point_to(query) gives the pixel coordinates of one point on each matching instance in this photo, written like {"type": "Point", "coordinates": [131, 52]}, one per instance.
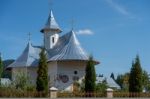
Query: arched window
{"type": "Point", "coordinates": [53, 39]}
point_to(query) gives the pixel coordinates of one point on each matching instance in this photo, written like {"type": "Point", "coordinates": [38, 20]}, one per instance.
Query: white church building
{"type": "Point", "coordinates": [66, 58]}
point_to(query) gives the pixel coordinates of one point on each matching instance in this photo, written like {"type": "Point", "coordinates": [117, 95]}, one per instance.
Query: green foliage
{"type": "Point", "coordinates": [7, 73]}
{"type": "Point", "coordinates": [123, 81]}
{"type": "Point", "coordinates": [135, 79]}
{"type": "Point", "coordinates": [145, 80]}
{"type": "Point", "coordinates": [1, 68]}
{"type": "Point", "coordinates": [22, 82]}
{"type": "Point", "coordinates": [90, 76]}
{"type": "Point", "coordinates": [42, 73]}
{"type": "Point", "coordinates": [101, 87]}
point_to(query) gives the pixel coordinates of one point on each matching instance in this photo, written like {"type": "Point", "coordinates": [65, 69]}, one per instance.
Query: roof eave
{"type": "Point", "coordinates": [49, 29]}
{"type": "Point", "coordinates": [95, 62]}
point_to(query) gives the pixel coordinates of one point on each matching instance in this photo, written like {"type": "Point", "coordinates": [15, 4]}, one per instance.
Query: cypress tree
{"type": "Point", "coordinates": [42, 73]}
{"type": "Point", "coordinates": [90, 76]}
{"type": "Point", "coordinates": [135, 78]}
{"type": "Point", "coordinates": [1, 68]}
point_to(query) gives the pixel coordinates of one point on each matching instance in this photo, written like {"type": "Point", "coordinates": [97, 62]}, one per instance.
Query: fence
{"type": "Point", "coordinates": [102, 95]}
{"type": "Point", "coordinates": [80, 94]}
{"type": "Point", "coordinates": [127, 94]}
{"type": "Point", "coordinates": [17, 93]}
{"type": "Point", "coordinates": [22, 94]}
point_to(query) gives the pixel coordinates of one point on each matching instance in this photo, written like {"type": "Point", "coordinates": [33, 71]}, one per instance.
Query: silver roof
{"type": "Point", "coordinates": [29, 57]}
{"type": "Point", "coordinates": [111, 83]}
{"type": "Point", "coordinates": [51, 23]}
{"type": "Point", "coordinates": [67, 48]}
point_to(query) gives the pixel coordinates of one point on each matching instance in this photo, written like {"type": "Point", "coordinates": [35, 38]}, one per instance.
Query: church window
{"type": "Point", "coordinates": [53, 39]}
{"type": "Point", "coordinates": [75, 72]}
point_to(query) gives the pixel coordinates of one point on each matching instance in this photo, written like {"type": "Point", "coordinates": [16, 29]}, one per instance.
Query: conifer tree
{"type": "Point", "coordinates": [1, 68]}
{"type": "Point", "coordinates": [90, 76]}
{"type": "Point", "coordinates": [135, 79]}
{"type": "Point", "coordinates": [112, 76]}
{"type": "Point", "coordinates": [42, 73]}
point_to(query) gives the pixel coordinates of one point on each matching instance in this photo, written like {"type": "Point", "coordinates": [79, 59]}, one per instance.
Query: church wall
{"type": "Point", "coordinates": [52, 72]}
{"type": "Point", "coordinates": [68, 72]}
{"type": "Point", "coordinates": [32, 73]}
{"type": "Point", "coordinates": [18, 71]}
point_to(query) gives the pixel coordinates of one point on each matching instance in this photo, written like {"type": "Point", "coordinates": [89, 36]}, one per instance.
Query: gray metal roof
{"type": "Point", "coordinates": [29, 57]}
{"type": "Point", "coordinates": [51, 23]}
{"type": "Point", "coordinates": [111, 83]}
{"type": "Point", "coordinates": [67, 48]}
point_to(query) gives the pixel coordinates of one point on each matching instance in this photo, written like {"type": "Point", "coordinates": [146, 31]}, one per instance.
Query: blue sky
{"type": "Point", "coordinates": [114, 31]}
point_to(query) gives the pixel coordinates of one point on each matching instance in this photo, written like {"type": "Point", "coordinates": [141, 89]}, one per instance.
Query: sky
{"type": "Point", "coordinates": [113, 31]}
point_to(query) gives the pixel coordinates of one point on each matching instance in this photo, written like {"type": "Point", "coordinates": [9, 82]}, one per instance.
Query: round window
{"type": "Point", "coordinates": [75, 72]}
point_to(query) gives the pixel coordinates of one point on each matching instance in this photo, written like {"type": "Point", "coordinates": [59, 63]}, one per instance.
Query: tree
{"type": "Point", "coordinates": [7, 73]}
{"type": "Point", "coordinates": [42, 73]}
{"type": "Point", "coordinates": [101, 87]}
{"type": "Point", "coordinates": [123, 81]}
{"type": "Point", "coordinates": [90, 76]}
{"type": "Point", "coordinates": [145, 80]}
{"type": "Point", "coordinates": [135, 79]}
{"type": "Point", "coordinates": [1, 68]}
{"type": "Point", "coordinates": [22, 81]}
{"type": "Point", "coordinates": [112, 76]}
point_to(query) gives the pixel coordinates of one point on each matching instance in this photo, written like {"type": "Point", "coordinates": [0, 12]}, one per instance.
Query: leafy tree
{"type": "Point", "coordinates": [7, 73]}
{"type": "Point", "coordinates": [90, 76]}
{"type": "Point", "coordinates": [1, 68]}
{"type": "Point", "coordinates": [42, 74]}
{"type": "Point", "coordinates": [135, 79]}
{"type": "Point", "coordinates": [123, 81]}
{"type": "Point", "coordinates": [101, 87]}
{"type": "Point", "coordinates": [22, 81]}
{"type": "Point", "coordinates": [145, 80]}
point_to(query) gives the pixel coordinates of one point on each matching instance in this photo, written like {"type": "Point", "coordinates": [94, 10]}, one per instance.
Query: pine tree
{"type": "Point", "coordinates": [112, 76]}
{"type": "Point", "coordinates": [135, 79]}
{"type": "Point", "coordinates": [42, 74]}
{"type": "Point", "coordinates": [90, 76]}
{"type": "Point", "coordinates": [1, 68]}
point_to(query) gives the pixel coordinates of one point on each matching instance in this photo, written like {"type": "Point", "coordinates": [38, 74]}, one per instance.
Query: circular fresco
{"type": "Point", "coordinates": [64, 78]}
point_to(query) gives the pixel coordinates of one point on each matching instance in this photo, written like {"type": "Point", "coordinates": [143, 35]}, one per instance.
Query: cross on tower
{"type": "Point", "coordinates": [29, 36]}
{"type": "Point", "coordinates": [72, 24]}
{"type": "Point", "coordinates": [50, 4]}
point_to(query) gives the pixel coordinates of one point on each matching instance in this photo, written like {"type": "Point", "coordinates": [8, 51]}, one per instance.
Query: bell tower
{"type": "Point", "coordinates": [50, 32]}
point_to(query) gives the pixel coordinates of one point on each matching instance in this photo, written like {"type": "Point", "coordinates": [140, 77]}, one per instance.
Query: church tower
{"type": "Point", "coordinates": [51, 32]}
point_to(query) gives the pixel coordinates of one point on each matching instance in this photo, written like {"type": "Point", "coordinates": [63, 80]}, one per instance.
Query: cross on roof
{"type": "Point", "coordinates": [29, 36]}
{"type": "Point", "coordinates": [50, 4]}
{"type": "Point", "coordinates": [72, 24]}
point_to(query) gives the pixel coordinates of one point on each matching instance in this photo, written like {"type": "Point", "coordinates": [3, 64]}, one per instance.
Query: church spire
{"type": "Point", "coordinates": [51, 25]}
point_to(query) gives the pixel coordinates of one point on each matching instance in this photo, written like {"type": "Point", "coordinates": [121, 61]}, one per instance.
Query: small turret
{"type": "Point", "coordinates": [51, 32]}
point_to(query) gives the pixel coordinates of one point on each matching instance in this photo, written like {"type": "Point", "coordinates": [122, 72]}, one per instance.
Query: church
{"type": "Point", "coordinates": [66, 58]}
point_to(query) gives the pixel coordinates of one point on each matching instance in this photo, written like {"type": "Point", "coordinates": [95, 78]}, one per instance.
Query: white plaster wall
{"type": "Point", "coordinates": [52, 73]}
{"type": "Point", "coordinates": [55, 69]}
{"type": "Point", "coordinates": [31, 72]}
{"type": "Point", "coordinates": [48, 39]}
{"type": "Point", "coordinates": [68, 68]}
{"type": "Point", "coordinates": [18, 71]}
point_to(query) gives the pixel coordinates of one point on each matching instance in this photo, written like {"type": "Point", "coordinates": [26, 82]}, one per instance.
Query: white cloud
{"type": "Point", "coordinates": [85, 32]}
{"type": "Point", "coordinates": [117, 7]}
